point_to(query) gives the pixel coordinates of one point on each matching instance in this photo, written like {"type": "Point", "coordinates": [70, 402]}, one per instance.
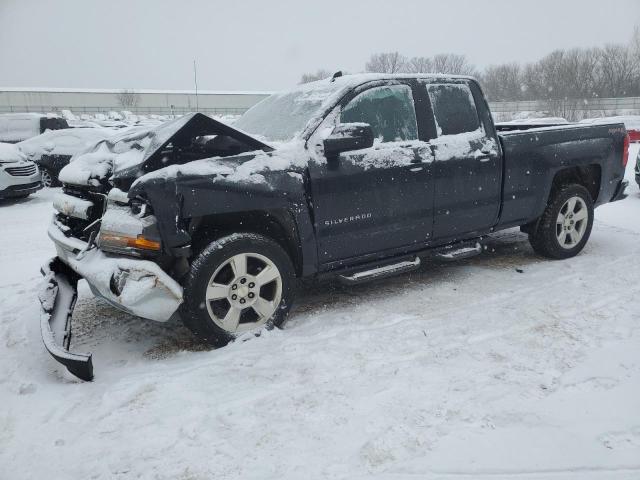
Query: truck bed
{"type": "Point", "coordinates": [533, 156]}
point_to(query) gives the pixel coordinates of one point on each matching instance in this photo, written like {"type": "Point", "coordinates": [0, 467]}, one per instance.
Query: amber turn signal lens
{"type": "Point", "coordinates": [113, 240]}
{"type": "Point", "coordinates": [145, 243]}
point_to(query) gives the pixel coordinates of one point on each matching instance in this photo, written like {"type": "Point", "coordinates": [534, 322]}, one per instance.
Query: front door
{"type": "Point", "coordinates": [379, 199]}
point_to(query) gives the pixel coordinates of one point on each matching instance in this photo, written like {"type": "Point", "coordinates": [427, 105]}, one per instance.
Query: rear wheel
{"type": "Point", "coordinates": [237, 284]}
{"type": "Point", "coordinates": [565, 226]}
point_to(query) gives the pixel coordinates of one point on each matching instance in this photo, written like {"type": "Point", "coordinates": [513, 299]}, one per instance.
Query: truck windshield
{"type": "Point", "coordinates": [282, 116]}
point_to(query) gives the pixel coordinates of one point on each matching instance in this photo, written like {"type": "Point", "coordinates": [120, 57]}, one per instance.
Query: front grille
{"type": "Point", "coordinates": [78, 227]}
{"type": "Point", "coordinates": [24, 171]}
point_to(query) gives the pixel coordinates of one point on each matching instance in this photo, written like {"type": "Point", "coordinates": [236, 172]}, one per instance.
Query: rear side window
{"type": "Point", "coordinates": [454, 108]}
{"type": "Point", "coordinates": [389, 110]}
{"type": "Point", "coordinates": [52, 124]}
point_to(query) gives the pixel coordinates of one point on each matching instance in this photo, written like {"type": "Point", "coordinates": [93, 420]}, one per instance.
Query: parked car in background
{"type": "Point", "coordinates": [53, 150]}
{"type": "Point", "coordinates": [16, 127]}
{"type": "Point", "coordinates": [19, 177]}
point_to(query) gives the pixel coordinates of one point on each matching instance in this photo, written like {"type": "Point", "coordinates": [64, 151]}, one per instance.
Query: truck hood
{"type": "Point", "coordinates": [138, 150]}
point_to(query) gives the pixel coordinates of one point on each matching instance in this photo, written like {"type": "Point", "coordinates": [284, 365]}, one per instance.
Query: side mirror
{"type": "Point", "coordinates": [346, 137]}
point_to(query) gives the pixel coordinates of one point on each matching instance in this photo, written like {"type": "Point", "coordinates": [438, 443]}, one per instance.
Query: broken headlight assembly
{"type": "Point", "coordinates": [128, 227]}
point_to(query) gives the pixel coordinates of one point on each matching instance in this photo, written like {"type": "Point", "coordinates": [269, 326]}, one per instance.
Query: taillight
{"type": "Point", "coordinates": [625, 150]}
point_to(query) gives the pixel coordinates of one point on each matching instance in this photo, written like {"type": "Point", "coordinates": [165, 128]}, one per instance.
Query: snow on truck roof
{"type": "Point", "coordinates": [353, 80]}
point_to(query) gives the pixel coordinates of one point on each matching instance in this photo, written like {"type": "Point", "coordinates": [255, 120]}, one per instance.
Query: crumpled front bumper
{"type": "Point", "coordinates": [57, 298]}
{"type": "Point", "coordinates": [137, 286]}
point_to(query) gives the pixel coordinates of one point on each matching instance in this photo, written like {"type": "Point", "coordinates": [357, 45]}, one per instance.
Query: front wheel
{"type": "Point", "coordinates": [47, 177]}
{"type": "Point", "coordinates": [237, 284]}
{"type": "Point", "coordinates": [565, 226]}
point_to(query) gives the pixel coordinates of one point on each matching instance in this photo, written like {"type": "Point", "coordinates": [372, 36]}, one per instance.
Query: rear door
{"type": "Point", "coordinates": [467, 168]}
{"type": "Point", "coordinates": [378, 199]}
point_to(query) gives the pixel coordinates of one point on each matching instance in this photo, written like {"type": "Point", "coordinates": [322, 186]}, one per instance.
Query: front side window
{"type": "Point", "coordinates": [454, 108]}
{"type": "Point", "coordinates": [389, 110]}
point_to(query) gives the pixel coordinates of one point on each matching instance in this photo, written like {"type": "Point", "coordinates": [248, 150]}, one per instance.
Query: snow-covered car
{"type": "Point", "coordinates": [358, 177]}
{"type": "Point", "coordinates": [19, 177]}
{"type": "Point", "coordinates": [53, 150]}
{"type": "Point", "coordinates": [16, 127]}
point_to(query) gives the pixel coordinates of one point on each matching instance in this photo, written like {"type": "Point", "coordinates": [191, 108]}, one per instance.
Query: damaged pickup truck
{"type": "Point", "coordinates": [357, 177]}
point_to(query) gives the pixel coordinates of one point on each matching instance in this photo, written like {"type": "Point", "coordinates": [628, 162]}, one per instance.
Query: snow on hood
{"type": "Point", "coordinates": [9, 153]}
{"type": "Point", "coordinates": [248, 167]}
{"type": "Point", "coordinates": [125, 153]}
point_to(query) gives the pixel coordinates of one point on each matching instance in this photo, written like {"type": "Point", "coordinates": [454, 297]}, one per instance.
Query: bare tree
{"type": "Point", "coordinates": [419, 65]}
{"type": "Point", "coordinates": [503, 82]}
{"type": "Point", "coordinates": [391, 62]}
{"type": "Point", "coordinates": [128, 98]}
{"type": "Point", "coordinates": [620, 70]}
{"type": "Point", "coordinates": [312, 77]}
{"type": "Point", "coordinates": [453, 64]}
{"type": "Point", "coordinates": [564, 79]}
{"type": "Point", "coordinates": [635, 41]}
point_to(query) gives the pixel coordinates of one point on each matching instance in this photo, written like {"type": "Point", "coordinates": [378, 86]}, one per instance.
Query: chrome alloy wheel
{"type": "Point", "coordinates": [244, 292]}
{"type": "Point", "coordinates": [46, 178]}
{"type": "Point", "coordinates": [571, 223]}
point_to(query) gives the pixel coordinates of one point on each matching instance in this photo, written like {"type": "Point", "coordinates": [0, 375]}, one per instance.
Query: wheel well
{"type": "Point", "coordinates": [278, 226]}
{"type": "Point", "coordinates": [588, 176]}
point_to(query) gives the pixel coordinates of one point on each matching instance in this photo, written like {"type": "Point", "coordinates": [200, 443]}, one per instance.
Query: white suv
{"type": "Point", "coordinates": [19, 177]}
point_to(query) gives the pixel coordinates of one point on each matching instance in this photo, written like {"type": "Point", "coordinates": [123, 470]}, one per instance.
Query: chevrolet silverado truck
{"type": "Point", "coordinates": [357, 177]}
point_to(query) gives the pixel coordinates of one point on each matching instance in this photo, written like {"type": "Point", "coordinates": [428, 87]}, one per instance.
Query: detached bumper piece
{"type": "Point", "coordinates": [57, 299]}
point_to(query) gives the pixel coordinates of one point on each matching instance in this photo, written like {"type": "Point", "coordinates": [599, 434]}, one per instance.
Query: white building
{"type": "Point", "coordinates": [162, 102]}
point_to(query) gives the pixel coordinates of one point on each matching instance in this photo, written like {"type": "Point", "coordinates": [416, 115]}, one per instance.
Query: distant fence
{"type": "Point", "coordinates": [570, 108]}
{"type": "Point", "coordinates": [136, 110]}
{"type": "Point", "coordinates": [625, 103]}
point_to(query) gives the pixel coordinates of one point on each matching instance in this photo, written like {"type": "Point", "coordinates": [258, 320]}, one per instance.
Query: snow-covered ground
{"type": "Point", "coordinates": [501, 366]}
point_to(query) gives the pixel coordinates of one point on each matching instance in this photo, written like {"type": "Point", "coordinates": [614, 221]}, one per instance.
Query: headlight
{"type": "Point", "coordinates": [124, 232]}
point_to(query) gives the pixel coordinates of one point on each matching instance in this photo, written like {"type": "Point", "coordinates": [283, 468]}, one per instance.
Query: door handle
{"type": "Point", "coordinates": [484, 156]}
{"type": "Point", "coordinates": [416, 169]}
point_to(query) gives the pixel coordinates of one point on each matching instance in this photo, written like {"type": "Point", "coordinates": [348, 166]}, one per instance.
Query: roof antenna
{"type": "Point", "coordinates": [336, 75]}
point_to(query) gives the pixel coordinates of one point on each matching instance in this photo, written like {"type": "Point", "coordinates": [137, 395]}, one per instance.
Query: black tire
{"type": "Point", "coordinates": [53, 179]}
{"type": "Point", "coordinates": [544, 238]}
{"type": "Point", "coordinates": [194, 312]}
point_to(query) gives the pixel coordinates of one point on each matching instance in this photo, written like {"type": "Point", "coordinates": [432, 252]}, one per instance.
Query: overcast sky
{"type": "Point", "coordinates": [267, 45]}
